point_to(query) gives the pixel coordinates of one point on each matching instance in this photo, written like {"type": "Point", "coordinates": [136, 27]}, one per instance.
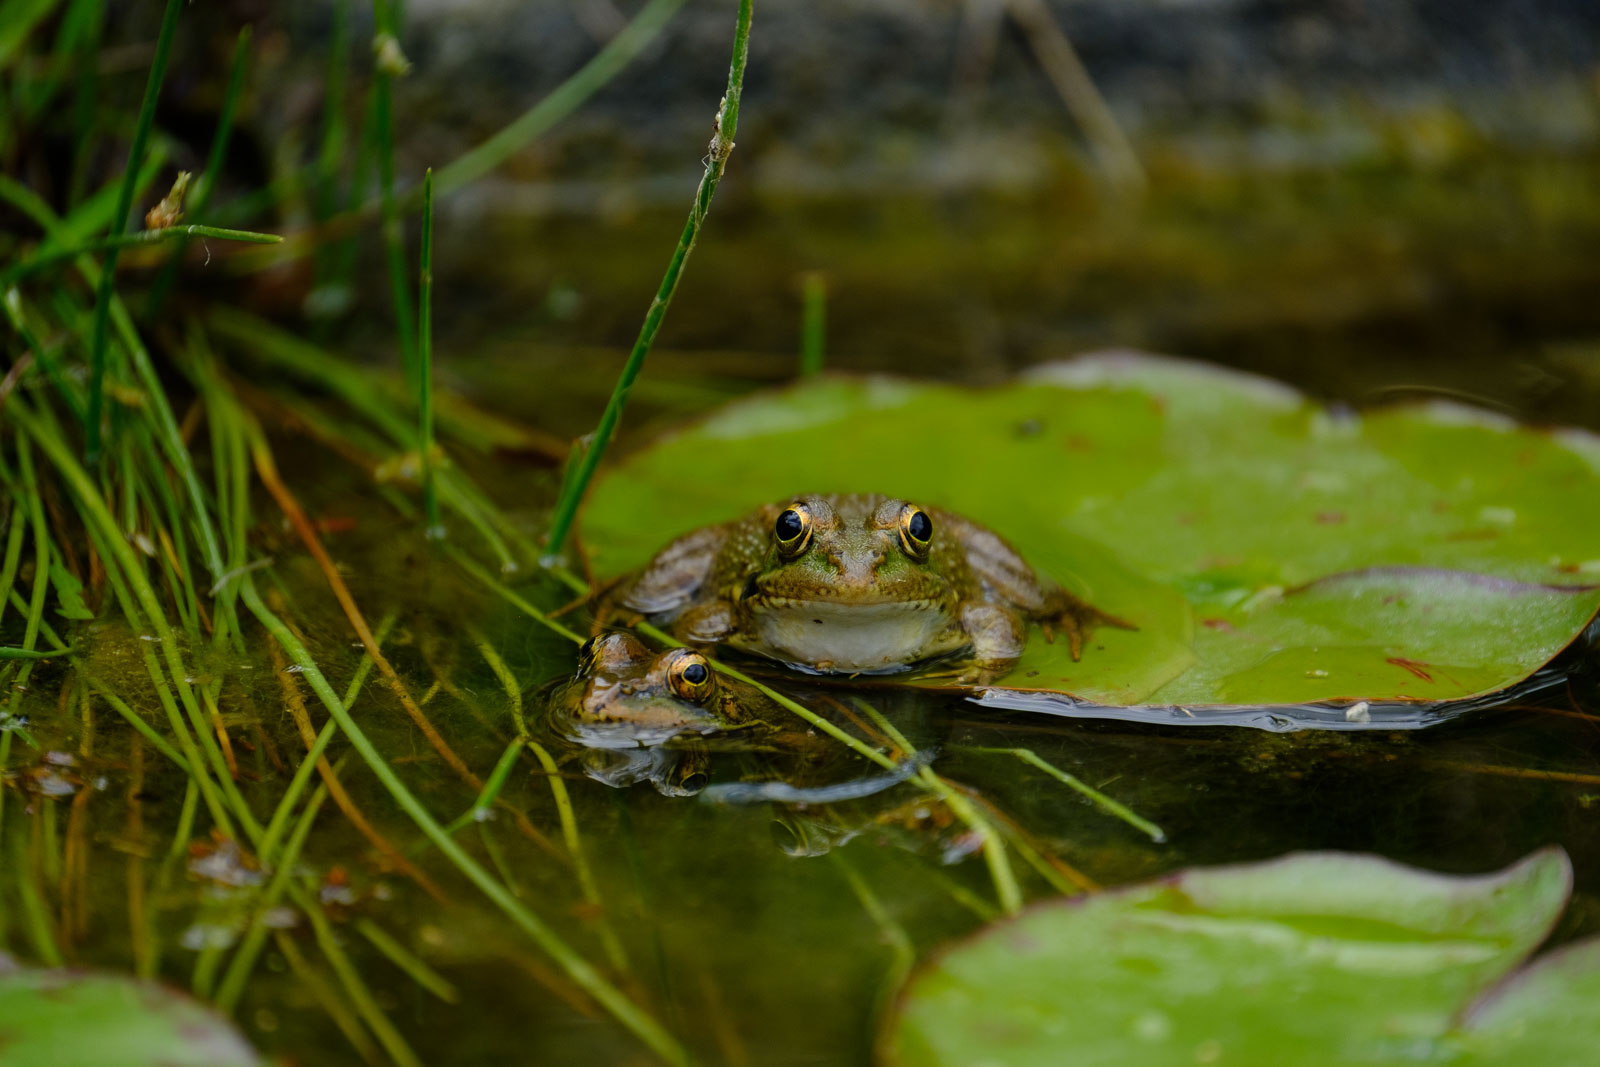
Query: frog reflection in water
{"type": "Point", "coordinates": [856, 584]}
{"type": "Point", "coordinates": [642, 715]}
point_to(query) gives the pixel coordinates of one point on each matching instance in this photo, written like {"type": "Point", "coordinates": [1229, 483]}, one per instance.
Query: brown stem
{"type": "Point", "coordinates": [336, 790]}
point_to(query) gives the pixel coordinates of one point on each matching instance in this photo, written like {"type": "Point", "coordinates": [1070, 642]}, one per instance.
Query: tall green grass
{"type": "Point", "coordinates": [157, 458]}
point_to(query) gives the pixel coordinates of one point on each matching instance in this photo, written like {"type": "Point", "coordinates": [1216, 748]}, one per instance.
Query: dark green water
{"type": "Point", "coordinates": [748, 951]}
{"type": "Point", "coordinates": [751, 954]}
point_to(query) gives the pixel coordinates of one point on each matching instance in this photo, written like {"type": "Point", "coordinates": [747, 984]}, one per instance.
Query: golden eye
{"type": "Point", "coordinates": [792, 531]}
{"type": "Point", "coordinates": [916, 531]}
{"type": "Point", "coordinates": [690, 675]}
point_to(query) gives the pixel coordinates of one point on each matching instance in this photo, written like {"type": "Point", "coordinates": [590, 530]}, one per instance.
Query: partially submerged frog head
{"type": "Point", "coordinates": [625, 695]}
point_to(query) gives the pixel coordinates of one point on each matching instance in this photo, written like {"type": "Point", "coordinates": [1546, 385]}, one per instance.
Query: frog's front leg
{"type": "Point", "coordinates": [998, 637]}
{"type": "Point", "coordinates": [705, 624]}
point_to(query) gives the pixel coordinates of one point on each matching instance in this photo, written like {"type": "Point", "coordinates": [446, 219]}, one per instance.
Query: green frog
{"type": "Point", "coordinates": [640, 715]}
{"type": "Point", "coordinates": [626, 695]}
{"type": "Point", "coordinates": [857, 584]}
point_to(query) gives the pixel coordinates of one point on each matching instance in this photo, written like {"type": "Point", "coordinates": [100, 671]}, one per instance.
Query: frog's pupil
{"type": "Point", "coordinates": [694, 673]}
{"type": "Point", "coordinates": [920, 526]}
{"type": "Point", "coordinates": [789, 525]}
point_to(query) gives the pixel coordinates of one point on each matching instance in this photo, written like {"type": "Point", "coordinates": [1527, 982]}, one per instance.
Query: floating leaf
{"type": "Point", "coordinates": [1316, 958]}
{"type": "Point", "coordinates": [1273, 552]}
{"type": "Point", "coordinates": [72, 1018]}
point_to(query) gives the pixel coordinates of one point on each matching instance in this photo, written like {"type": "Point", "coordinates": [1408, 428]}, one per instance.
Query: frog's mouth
{"type": "Point", "coordinates": [849, 637]}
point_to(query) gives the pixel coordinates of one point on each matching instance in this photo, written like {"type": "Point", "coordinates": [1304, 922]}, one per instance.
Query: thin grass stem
{"type": "Point", "coordinates": [407, 961]}
{"type": "Point", "coordinates": [327, 997]}
{"type": "Point", "coordinates": [484, 805]}
{"type": "Point", "coordinates": [1006, 888]}
{"type": "Point", "coordinates": [1099, 799]}
{"type": "Point", "coordinates": [722, 140]}
{"type": "Point", "coordinates": [34, 264]}
{"type": "Point", "coordinates": [243, 962]}
{"type": "Point", "coordinates": [580, 864]}
{"type": "Point", "coordinates": [430, 491]}
{"type": "Point", "coordinates": [119, 223]}
{"type": "Point", "coordinates": [563, 100]}
{"type": "Point", "coordinates": [212, 175]}
{"type": "Point", "coordinates": [580, 970]}
{"type": "Point", "coordinates": [813, 323]}
{"type": "Point", "coordinates": [386, 45]}
{"type": "Point", "coordinates": [135, 720]}
{"type": "Point", "coordinates": [577, 968]}
{"type": "Point", "coordinates": [903, 954]}
{"type": "Point", "coordinates": [34, 910]}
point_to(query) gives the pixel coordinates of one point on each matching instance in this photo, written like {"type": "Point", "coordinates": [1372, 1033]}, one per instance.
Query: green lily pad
{"type": "Point", "coordinates": [72, 1018]}
{"type": "Point", "coordinates": [1357, 569]}
{"type": "Point", "coordinates": [1316, 958]}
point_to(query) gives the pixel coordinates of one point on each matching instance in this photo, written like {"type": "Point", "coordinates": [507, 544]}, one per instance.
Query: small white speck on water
{"type": "Point", "coordinates": [1360, 711]}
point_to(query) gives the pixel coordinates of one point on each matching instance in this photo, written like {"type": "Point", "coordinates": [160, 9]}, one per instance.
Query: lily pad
{"type": "Point", "coordinates": [1317, 958]}
{"type": "Point", "coordinates": [1352, 567]}
{"type": "Point", "coordinates": [72, 1018]}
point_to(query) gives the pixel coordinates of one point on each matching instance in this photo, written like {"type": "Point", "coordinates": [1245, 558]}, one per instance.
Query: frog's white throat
{"type": "Point", "coordinates": [834, 638]}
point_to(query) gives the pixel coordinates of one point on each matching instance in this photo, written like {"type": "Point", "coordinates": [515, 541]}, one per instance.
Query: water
{"type": "Point", "coordinates": [740, 925]}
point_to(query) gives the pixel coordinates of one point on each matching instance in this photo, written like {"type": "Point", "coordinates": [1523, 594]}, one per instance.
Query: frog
{"type": "Point", "coordinates": [857, 584]}
{"type": "Point", "coordinates": [636, 714]}
{"type": "Point", "coordinates": [625, 694]}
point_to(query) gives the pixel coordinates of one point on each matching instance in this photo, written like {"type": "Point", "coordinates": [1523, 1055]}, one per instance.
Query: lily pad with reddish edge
{"type": "Point", "coordinates": [1286, 563]}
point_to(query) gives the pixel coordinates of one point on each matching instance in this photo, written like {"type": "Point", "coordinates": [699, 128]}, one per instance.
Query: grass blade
{"type": "Point", "coordinates": [580, 970]}
{"type": "Point", "coordinates": [726, 126]}
{"type": "Point", "coordinates": [119, 224]}
{"type": "Point", "coordinates": [430, 491]}
{"type": "Point", "coordinates": [564, 100]}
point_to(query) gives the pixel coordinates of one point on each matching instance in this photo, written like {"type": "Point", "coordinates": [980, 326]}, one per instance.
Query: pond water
{"type": "Point", "coordinates": [765, 932]}
{"type": "Point", "coordinates": [756, 933]}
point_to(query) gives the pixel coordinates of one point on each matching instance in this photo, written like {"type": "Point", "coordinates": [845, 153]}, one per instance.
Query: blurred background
{"type": "Point", "coordinates": [1363, 197]}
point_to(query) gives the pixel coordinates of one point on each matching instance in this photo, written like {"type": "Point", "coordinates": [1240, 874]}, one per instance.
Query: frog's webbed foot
{"type": "Point", "coordinates": [1077, 620]}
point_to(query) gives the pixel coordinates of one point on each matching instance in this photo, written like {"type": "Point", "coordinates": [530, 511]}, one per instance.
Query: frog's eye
{"type": "Point", "coordinates": [689, 675]}
{"type": "Point", "coordinates": [916, 531]}
{"type": "Point", "coordinates": [589, 656]}
{"type": "Point", "coordinates": [792, 531]}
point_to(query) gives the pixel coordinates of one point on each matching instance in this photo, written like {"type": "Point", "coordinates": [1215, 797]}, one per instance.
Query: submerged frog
{"type": "Point", "coordinates": [640, 715]}
{"type": "Point", "coordinates": [856, 584]}
{"type": "Point", "coordinates": [626, 695]}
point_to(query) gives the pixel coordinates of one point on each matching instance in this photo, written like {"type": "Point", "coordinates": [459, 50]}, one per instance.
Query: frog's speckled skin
{"type": "Point", "coordinates": [856, 600]}
{"type": "Point", "coordinates": [621, 697]}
